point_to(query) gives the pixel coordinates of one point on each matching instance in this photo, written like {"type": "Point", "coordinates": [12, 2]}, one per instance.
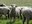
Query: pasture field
{"type": "Point", "coordinates": [16, 22]}
{"type": "Point", "coordinates": [17, 2]}
{"type": "Point", "coordinates": [3, 21]}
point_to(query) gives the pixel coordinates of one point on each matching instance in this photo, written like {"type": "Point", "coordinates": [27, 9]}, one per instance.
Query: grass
{"type": "Point", "coordinates": [3, 21]}
{"type": "Point", "coordinates": [16, 22]}
{"type": "Point", "coordinates": [18, 2]}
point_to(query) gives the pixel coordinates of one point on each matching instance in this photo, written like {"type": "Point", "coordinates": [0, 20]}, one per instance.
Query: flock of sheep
{"type": "Point", "coordinates": [16, 11]}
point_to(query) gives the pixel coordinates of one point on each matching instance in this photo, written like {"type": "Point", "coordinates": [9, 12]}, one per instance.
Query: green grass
{"type": "Point", "coordinates": [16, 22]}
{"type": "Point", "coordinates": [18, 2]}
{"type": "Point", "coordinates": [3, 21]}
{"type": "Point", "coordinates": [20, 22]}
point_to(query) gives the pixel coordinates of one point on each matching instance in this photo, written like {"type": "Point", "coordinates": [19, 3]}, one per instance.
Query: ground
{"type": "Point", "coordinates": [16, 22]}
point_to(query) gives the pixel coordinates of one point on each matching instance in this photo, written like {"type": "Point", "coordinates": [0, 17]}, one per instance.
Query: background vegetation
{"type": "Point", "coordinates": [18, 2]}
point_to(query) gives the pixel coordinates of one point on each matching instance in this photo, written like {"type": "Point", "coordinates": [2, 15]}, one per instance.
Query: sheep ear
{"type": "Point", "coordinates": [15, 6]}
{"type": "Point", "coordinates": [12, 5]}
{"type": "Point", "coordinates": [21, 8]}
